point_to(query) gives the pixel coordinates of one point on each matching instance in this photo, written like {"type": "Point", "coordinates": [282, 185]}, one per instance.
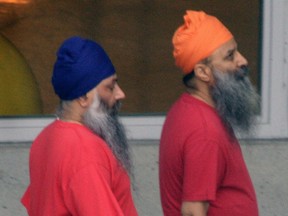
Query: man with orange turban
{"type": "Point", "coordinates": [201, 167]}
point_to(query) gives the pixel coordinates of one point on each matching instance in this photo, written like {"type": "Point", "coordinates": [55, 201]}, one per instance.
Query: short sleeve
{"type": "Point", "coordinates": [89, 193]}
{"type": "Point", "coordinates": [204, 166]}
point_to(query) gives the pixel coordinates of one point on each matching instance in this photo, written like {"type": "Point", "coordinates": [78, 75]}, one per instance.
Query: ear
{"type": "Point", "coordinates": [83, 101]}
{"type": "Point", "coordinates": [203, 72]}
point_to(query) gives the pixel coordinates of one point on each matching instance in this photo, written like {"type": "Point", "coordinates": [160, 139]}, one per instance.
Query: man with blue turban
{"type": "Point", "coordinates": [80, 164]}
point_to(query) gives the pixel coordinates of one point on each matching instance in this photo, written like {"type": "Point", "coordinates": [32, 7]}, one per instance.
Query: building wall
{"type": "Point", "coordinates": [273, 119]}
{"type": "Point", "coordinates": [136, 34]}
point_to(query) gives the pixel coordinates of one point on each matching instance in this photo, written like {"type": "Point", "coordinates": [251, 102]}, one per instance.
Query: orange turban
{"type": "Point", "coordinates": [199, 36]}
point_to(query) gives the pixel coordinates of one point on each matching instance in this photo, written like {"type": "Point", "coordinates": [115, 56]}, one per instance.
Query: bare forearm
{"type": "Point", "coordinates": [194, 208]}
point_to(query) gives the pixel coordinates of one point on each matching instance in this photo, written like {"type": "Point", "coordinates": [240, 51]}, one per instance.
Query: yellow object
{"type": "Point", "coordinates": [19, 93]}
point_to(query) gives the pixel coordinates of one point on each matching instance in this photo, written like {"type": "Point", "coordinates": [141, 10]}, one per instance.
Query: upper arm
{"type": "Point", "coordinates": [204, 166]}
{"type": "Point", "coordinates": [194, 208]}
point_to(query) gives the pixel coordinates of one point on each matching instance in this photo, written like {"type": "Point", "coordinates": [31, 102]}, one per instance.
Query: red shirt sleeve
{"type": "Point", "coordinates": [89, 193]}
{"type": "Point", "coordinates": [204, 167]}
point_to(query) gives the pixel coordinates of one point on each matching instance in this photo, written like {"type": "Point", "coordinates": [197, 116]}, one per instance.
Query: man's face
{"type": "Point", "coordinates": [235, 98]}
{"type": "Point", "coordinates": [109, 91]}
{"type": "Point", "coordinates": [227, 58]}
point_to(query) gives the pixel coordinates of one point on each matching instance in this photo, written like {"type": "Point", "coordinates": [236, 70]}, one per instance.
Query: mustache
{"type": "Point", "coordinates": [242, 72]}
{"type": "Point", "coordinates": [112, 111]}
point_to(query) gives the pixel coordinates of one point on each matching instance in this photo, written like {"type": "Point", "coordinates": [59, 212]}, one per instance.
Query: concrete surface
{"type": "Point", "coordinates": [266, 160]}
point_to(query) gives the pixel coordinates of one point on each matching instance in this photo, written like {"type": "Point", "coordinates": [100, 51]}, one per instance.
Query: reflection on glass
{"type": "Point", "coordinates": [15, 1]}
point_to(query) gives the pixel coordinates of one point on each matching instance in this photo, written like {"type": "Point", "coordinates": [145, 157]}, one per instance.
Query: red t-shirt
{"type": "Point", "coordinates": [200, 161]}
{"type": "Point", "coordinates": [74, 172]}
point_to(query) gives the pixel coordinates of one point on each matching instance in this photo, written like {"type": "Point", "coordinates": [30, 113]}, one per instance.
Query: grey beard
{"type": "Point", "coordinates": [236, 100]}
{"type": "Point", "coordinates": [104, 122]}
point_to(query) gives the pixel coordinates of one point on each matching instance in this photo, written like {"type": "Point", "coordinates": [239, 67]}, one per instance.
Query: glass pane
{"type": "Point", "coordinates": [136, 34]}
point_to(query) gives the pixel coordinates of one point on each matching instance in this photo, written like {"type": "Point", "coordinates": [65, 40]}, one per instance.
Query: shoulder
{"type": "Point", "coordinates": [69, 132]}
{"type": "Point", "coordinates": [74, 141]}
{"type": "Point", "coordinates": [189, 114]}
{"type": "Point", "coordinates": [192, 121]}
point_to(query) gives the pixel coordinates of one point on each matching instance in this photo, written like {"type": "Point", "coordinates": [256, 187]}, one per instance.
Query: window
{"type": "Point", "coordinates": [137, 36]}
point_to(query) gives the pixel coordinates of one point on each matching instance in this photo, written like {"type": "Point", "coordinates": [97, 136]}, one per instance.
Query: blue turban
{"type": "Point", "coordinates": [80, 66]}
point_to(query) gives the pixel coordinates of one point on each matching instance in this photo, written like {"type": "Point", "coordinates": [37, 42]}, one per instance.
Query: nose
{"type": "Point", "coordinates": [119, 93]}
{"type": "Point", "coordinates": [241, 60]}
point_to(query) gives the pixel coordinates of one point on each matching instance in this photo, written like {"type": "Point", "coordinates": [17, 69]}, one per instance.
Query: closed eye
{"type": "Point", "coordinates": [230, 55]}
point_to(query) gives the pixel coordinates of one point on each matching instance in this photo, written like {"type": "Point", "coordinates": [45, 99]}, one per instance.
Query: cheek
{"type": "Point", "coordinates": [225, 66]}
{"type": "Point", "coordinates": [107, 95]}
{"type": "Point", "coordinates": [104, 93]}
{"type": "Point", "coordinates": [110, 103]}
{"type": "Point", "coordinates": [108, 98]}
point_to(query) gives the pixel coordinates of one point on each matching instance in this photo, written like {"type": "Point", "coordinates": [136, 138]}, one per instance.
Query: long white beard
{"type": "Point", "coordinates": [104, 122]}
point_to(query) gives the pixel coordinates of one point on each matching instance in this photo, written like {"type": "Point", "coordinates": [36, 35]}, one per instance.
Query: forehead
{"type": "Point", "coordinates": [224, 49]}
{"type": "Point", "coordinates": [108, 80]}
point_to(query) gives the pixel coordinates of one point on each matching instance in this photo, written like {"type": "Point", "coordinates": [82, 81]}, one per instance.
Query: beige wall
{"type": "Point", "coordinates": [136, 34]}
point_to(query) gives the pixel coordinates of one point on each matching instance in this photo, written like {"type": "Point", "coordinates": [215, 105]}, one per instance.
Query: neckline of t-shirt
{"type": "Point", "coordinates": [187, 96]}
{"type": "Point", "coordinates": [62, 122]}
